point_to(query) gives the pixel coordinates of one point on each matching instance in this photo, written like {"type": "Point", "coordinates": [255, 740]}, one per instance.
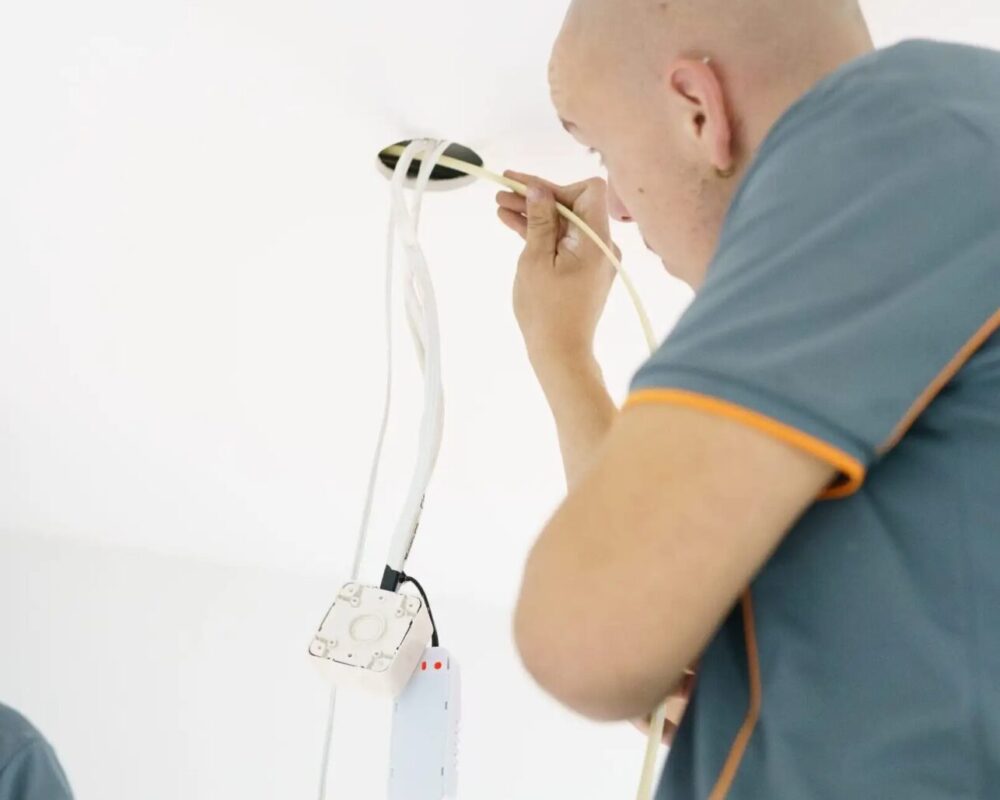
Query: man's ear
{"type": "Point", "coordinates": [706, 117]}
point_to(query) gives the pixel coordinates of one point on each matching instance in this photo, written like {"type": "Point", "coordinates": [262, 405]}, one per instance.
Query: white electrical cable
{"type": "Point", "coordinates": [480, 172]}
{"type": "Point", "coordinates": [653, 739]}
{"type": "Point", "coordinates": [414, 313]}
{"type": "Point", "coordinates": [432, 424]}
{"type": "Point", "coordinates": [420, 332]}
{"type": "Point", "coordinates": [404, 535]}
{"type": "Point", "coordinates": [414, 305]}
{"type": "Point", "coordinates": [421, 309]}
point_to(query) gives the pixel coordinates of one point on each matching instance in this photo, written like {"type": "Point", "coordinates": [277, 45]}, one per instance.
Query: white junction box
{"type": "Point", "coordinates": [423, 758]}
{"type": "Point", "coordinates": [372, 638]}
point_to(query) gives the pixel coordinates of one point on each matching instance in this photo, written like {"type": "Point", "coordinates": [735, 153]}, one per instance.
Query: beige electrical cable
{"type": "Point", "coordinates": [654, 739]}
{"type": "Point", "coordinates": [479, 172]}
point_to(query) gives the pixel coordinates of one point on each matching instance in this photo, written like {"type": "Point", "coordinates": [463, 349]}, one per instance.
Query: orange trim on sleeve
{"type": "Point", "coordinates": [940, 381]}
{"type": "Point", "coordinates": [853, 469]}
{"type": "Point", "coordinates": [739, 746]}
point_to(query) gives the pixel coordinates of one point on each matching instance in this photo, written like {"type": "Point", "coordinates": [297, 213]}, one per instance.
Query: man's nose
{"type": "Point", "coordinates": [616, 208]}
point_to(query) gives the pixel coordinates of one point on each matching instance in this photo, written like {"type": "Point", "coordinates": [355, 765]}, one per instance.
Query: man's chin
{"type": "Point", "coordinates": [649, 247]}
{"type": "Point", "coordinates": [669, 271]}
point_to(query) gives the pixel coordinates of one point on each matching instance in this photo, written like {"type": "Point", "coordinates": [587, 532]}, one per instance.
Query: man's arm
{"type": "Point", "coordinates": [678, 511]}
{"type": "Point", "coordinates": [582, 408]}
{"type": "Point", "coordinates": [584, 414]}
{"type": "Point", "coordinates": [557, 300]}
{"type": "Point", "coordinates": [561, 286]}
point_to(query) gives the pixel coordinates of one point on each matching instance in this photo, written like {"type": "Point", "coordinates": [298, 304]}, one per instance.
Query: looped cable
{"type": "Point", "coordinates": [432, 424]}
{"type": "Point", "coordinates": [421, 310]}
{"type": "Point", "coordinates": [425, 337]}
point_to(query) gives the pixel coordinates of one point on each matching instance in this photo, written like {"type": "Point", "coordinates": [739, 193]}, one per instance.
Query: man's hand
{"type": "Point", "coordinates": [676, 706]}
{"type": "Point", "coordinates": [563, 279]}
{"type": "Point", "coordinates": [560, 290]}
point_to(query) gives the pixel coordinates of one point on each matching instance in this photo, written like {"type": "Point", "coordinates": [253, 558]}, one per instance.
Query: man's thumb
{"type": "Point", "coordinates": [543, 220]}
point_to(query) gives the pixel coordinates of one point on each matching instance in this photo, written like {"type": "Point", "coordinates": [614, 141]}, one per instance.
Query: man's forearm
{"type": "Point", "coordinates": [582, 408]}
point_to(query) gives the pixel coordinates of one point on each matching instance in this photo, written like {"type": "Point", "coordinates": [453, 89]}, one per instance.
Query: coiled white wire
{"type": "Point", "coordinates": [421, 309]}
{"type": "Point", "coordinates": [421, 312]}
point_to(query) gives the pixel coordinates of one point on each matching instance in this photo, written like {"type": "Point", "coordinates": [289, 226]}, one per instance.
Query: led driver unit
{"type": "Point", "coordinates": [423, 757]}
{"type": "Point", "coordinates": [372, 638]}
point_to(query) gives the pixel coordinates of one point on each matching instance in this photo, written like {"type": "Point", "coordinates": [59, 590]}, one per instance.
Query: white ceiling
{"type": "Point", "coordinates": [191, 236]}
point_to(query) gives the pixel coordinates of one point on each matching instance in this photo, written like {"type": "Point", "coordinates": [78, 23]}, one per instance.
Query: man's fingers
{"type": "Point", "coordinates": [517, 219]}
{"type": "Point", "coordinates": [587, 198]}
{"type": "Point", "coordinates": [567, 195]}
{"type": "Point", "coordinates": [512, 201]}
{"type": "Point", "coordinates": [669, 729]}
{"type": "Point", "coordinates": [516, 222]}
{"type": "Point", "coordinates": [525, 178]}
{"type": "Point", "coordinates": [669, 732]}
{"type": "Point", "coordinates": [543, 222]}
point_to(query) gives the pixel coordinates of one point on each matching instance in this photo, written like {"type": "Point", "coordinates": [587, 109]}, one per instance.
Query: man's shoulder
{"type": "Point", "coordinates": [923, 64]}
{"type": "Point", "coordinates": [29, 767]}
{"type": "Point", "coordinates": [946, 75]}
{"type": "Point", "coordinates": [16, 734]}
{"type": "Point", "coordinates": [918, 117]}
{"type": "Point", "coordinates": [914, 88]}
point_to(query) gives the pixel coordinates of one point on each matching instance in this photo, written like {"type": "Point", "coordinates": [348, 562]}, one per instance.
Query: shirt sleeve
{"type": "Point", "coordinates": [34, 773]}
{"type": "Point", "coordinates": [857, 270]}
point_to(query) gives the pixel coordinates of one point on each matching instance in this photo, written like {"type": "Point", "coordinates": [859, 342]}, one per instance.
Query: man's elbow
{"type": "Point", "coordinates": [544, 658]}
{"type": "Point", "coordinates": [550, 668]}
{"type": "Point", "coordinates": [586, 682]}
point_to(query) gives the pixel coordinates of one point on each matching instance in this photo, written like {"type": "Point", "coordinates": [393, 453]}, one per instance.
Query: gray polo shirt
{"type": "Point", "coordinates": [29, 769]}
{"type": "Point", "coordinates": [851, 310]}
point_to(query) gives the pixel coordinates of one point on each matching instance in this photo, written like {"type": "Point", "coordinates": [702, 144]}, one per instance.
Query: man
{"type": "Point", "coordinates": [800, 499]}
{"type": "Point", "coordinates": [29, 769]}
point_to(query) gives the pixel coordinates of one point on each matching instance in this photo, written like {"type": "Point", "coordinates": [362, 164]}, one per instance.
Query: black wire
{"type": "Point", "coordinates": [404, 578]}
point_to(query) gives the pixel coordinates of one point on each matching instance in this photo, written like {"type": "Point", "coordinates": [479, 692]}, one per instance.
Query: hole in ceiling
{"type": "Point", "coordinates": [441, 177]}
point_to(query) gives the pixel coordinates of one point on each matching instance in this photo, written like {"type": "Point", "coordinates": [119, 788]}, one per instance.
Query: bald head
{"type": "Point", "coordinates": [641, 29]}
{"type": "Point", "coordinates": [759, 44]}
{"type": "Point", "coordinates": [675, 93]}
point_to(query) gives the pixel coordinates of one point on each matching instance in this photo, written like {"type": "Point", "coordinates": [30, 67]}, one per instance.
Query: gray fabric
{"type": "Point", "coordinates": [29, 769]}
{"type": "Point", "coordinates": [859, 256]}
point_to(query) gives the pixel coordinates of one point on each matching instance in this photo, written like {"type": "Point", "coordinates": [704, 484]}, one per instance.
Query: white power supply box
{"type": "Point", "coordinates": [372, 638]}
{"type": "Point", "coordinates": [423, 757]}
